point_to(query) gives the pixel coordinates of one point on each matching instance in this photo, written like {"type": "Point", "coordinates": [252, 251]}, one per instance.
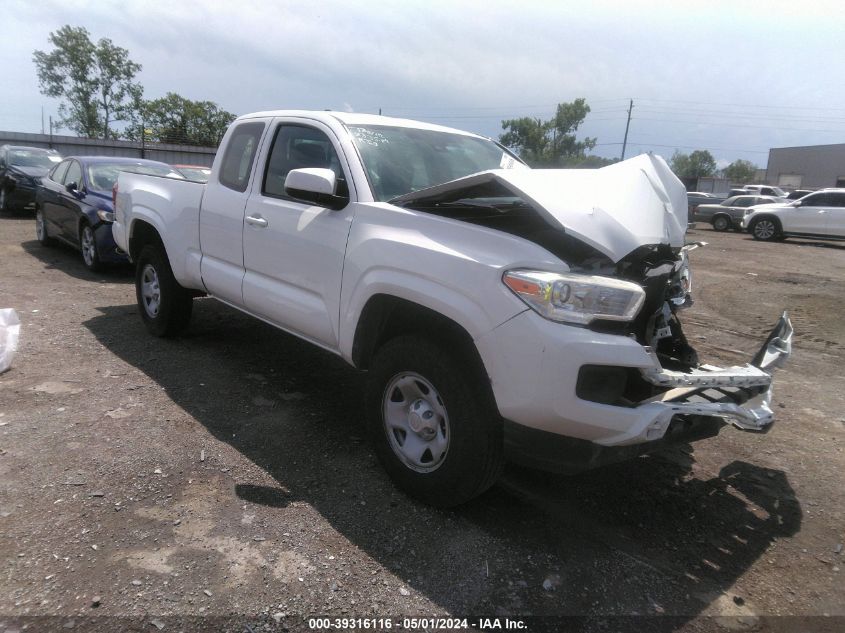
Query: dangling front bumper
{"type": "Point", "coordinates": [739, 395]}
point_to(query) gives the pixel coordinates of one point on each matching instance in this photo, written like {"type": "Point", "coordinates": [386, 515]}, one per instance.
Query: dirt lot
{"type": "Point", "coordinates": [225, 473]}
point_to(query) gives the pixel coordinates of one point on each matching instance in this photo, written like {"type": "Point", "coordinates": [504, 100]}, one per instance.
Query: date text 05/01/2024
{"type": "Point", "coordinates": [428, 624]}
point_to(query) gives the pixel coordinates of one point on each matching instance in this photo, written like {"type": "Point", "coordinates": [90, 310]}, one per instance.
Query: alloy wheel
{"type": "Point", "coordinates": [89, 246]}
{"type": "Point", "coordinates": [764, 229]}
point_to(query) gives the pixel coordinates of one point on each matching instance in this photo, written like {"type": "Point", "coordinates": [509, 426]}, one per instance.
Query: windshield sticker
{"type": "Point", "coordinates": [507, 162]}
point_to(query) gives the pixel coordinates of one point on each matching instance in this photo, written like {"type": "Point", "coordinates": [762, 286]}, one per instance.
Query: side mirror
{"type": "Point", "coordinates": [315, 185]}
{"type": "Point", "coordinates": [72, 186]}
{"type": "Point", "coordinates": [797, 203]}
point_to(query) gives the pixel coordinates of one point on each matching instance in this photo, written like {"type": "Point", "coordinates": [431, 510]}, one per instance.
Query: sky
{"type": "Point", "coordinates": [734, 77]}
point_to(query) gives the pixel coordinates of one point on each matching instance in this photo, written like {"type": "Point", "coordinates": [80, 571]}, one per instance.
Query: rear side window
{"type": "Point", "coordinates": [837, 200]}
{"type": "Point", "coordinates": [240, 155]}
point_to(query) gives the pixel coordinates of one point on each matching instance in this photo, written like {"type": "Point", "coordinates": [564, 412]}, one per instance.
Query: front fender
{"type": "Point", "coordinates": [446, 300]}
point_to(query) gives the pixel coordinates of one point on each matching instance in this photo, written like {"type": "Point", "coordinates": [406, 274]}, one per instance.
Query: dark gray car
{"type": "Point", "coordinates": [21, 169]}
{"type": "Point", "coordinates": [728, 213]}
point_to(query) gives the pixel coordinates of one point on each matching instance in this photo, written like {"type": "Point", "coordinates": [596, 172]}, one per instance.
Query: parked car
{"type": "Point", "coordinates": [499, 311]}
{"type": "Point", "coordinates": [695, 198]}
{"type": "Point", "coordinates": [21, 168]}
{"type": "Point", "coordinates": [820, 214]}
{"type": "Point", "coordinates": [765, 190]}
{"type": "Point", "coordinates": [728, 214]}
{"type": "Point", "coordinates": [196, 173]}
{"type": "Point", "coordinates": [74, 204]}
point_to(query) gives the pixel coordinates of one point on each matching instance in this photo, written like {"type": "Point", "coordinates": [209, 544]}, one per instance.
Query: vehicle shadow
{"type": "Point", "coordinates": [797, 241]}
{"type": "Point", "coordinates": [68, 260]}
{"type": "Point", "coordinates": [647, 537]}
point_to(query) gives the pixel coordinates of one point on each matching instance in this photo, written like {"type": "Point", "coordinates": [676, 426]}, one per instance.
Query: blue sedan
{"type": "Point", "coordinates": [74, 204]}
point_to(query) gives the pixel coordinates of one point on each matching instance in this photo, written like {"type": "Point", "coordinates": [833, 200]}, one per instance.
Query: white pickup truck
{"type": "Point", "coordinates": [500, 312]}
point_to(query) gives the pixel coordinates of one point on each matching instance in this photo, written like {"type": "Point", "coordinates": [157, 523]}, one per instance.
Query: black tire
{"type": "Point", "coordinates": [41, 232]}
{"type": "Point", "coordinates": [88, 247]}
{"type": "Point", "coordinates": [721, 223]}
{"type": "Point", "coordinates": [473, 459]}
{"type": "Point", "coordinates": [167, 311]}
{"type": "Point", "coordinates": [766, 229]}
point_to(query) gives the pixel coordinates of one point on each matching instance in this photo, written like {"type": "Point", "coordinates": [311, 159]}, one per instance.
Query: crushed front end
{"type": "Point", "coordinates": [676, 383]}
{"type": "Point", "coordinates": [597, 368]}
{"type": "Point", "coordinates": [575, 397]}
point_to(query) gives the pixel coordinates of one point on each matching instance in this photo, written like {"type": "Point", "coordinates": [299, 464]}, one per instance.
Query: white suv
{"type": "Point", "coordinates": [817, 215]}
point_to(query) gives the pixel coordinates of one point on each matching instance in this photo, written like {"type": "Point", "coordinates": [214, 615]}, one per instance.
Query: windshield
{"type": "Point", "coordinates": [33, 158]}
{"type": "Point", "coordinates": [400, 160]}
{"type": "Point", "coordinates": [102, 176]}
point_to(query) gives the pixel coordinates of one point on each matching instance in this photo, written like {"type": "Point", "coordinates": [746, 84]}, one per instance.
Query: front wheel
{"type": "Point", "coordinates": [765, 229]}
{"type": "Point", "coordinates": [433, 423]}
{"type": "Point", "coordinates": [165, 306]}
{"type": "Point", "coordinates": [88, 245]}
{"type": "Point", "coordinates": [41, 232]}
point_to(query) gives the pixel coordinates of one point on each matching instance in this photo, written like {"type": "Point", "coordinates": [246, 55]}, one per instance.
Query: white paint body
{"type": "Point", "coordinates": [310, 270]}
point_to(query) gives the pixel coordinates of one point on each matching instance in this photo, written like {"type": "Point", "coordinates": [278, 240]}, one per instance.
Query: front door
{"type": "Point", "coordinates": [810, 217]}
{"type": "Point", "coordinates": [294, 251]}
{"type": "Point", "coordinates": [67, 209]}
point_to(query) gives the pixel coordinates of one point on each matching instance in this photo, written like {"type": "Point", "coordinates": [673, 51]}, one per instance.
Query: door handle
{"type": "Point", "coordinates": [256, 221]}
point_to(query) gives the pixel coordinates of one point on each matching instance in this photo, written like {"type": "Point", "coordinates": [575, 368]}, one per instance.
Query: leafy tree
{"type": "Point", "coordinates": [695, 165]}
{"type": "Point", "coordinates": [175, 119]}
{"type": "Point", "coordinates": [95, 81]}
{"type": "Point", "coordinates": [550, 143]}
{"type": "Point", "coordinates": [740, 171]}
{"type": "Point", "coordinates": [591, 161]}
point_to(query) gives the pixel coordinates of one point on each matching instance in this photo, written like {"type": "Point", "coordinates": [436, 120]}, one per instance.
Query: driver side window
{"type": "Point", "coordinates": [298, 147]}
{"type": "Point", "coordinates": [74, 174]}
{"type": "Point", "coordinates": [59, 172]}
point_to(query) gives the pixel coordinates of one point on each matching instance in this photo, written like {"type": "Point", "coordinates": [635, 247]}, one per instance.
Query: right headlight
{"type": "Point", "coordinates": [574, 298]}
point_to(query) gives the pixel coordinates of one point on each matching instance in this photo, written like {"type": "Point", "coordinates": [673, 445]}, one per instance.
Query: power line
{"type": "Point", "coordinates": [715, 149]}
{"type": "Point", "coordinates": [759, 127]}
{"type": "Point", "coordinates": [740, 105]}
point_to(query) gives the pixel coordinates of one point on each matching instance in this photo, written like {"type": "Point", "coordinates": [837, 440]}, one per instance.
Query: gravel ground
{"type": "Point", "coordinates": [151, 484]}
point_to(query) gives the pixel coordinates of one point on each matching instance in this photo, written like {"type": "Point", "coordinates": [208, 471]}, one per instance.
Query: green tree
{"type": "Point", "coordinates": [175, 119]}
{"type": "Point", "coordinates": [740, 171]}
{"type": "Point", "coordinates": [695, 165]}
{"type": "Point", "coordinates": [94, 81]}
{"type": "Point", "coordinates": [550, 143]}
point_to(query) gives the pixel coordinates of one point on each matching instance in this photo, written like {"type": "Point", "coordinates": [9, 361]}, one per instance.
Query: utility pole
{"type": "Point", "coordinates": [42, 119]}
{"type": "Point", "coordinates": [51, 131]}
{"type": "Point", "coordinates": [627, 125]}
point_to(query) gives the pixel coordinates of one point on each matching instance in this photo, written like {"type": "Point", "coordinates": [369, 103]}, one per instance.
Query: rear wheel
{"type": "Point", "coordinates": [721, 223]}
{"type": "Point", "coordinates": [766, 229]}
{"type": "Point", "coordinates": [4, 201]}
{"type": "Point", "coordinates": [433, 422]}
{"type": "Point", "coordinates": [165, 306]}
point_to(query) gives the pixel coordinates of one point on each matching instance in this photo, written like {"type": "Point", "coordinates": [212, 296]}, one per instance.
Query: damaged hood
{"type": "Point", "coordinates": [615, 209]}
